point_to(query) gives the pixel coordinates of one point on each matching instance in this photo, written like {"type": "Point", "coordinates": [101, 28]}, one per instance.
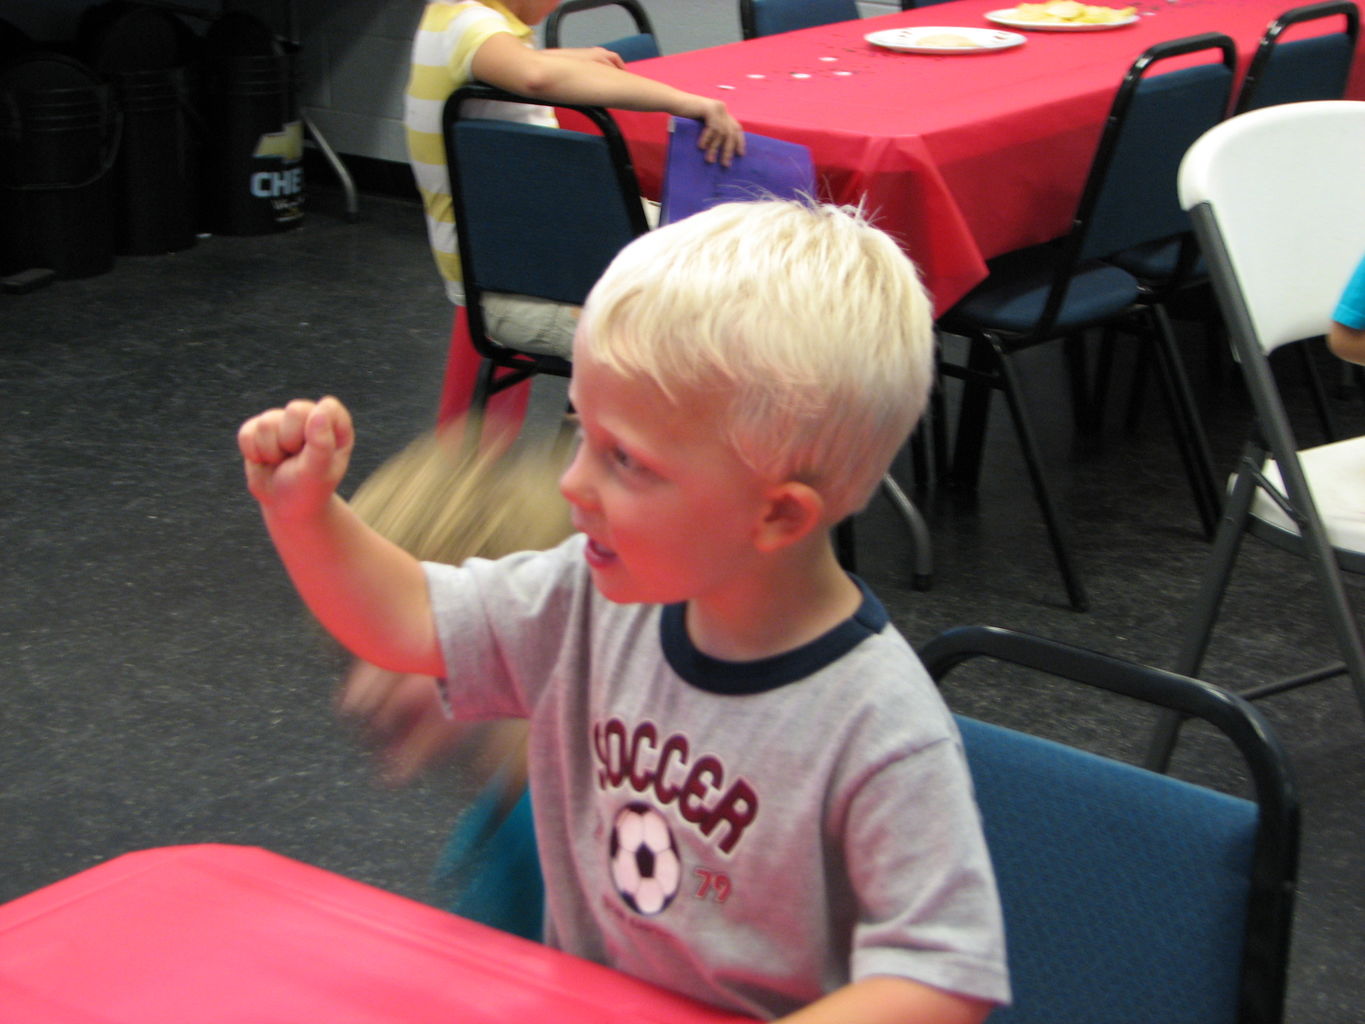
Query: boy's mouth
{"type": "Point", "coordinates": [598, 555]}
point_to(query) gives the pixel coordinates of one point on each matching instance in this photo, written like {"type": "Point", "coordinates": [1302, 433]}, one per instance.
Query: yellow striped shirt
{"type": "Point", "coordinates": [442, 53]}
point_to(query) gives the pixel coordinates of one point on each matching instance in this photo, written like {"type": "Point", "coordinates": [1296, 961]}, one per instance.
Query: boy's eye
{"type": "Point", "coordinates": [624, 460]}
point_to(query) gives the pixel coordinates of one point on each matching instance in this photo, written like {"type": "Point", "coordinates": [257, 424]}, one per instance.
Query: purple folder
{"type": "Point", "coordinates": [769, 167]}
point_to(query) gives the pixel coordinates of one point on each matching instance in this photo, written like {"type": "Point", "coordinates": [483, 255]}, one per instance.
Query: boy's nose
{"type": "Point", "coordinates": [573, 482]}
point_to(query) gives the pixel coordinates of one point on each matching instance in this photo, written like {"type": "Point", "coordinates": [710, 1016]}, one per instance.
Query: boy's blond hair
{"type": "Point", "coordinates": [813, 321]}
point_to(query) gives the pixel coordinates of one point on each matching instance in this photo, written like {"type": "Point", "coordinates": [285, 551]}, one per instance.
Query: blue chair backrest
{"type": "Point", "coordinates": [640, 46]}
{"type": "Point", "coordinates": [1124, 891]}
{"type": "Point", "coordinates": [773, 16]}
{"type": "Point", "coordinates": [1316, 68]}
{"type": "Point", "coordinates": [1136, 201]}
{"type": "Point", "coordinates": [540, 193]}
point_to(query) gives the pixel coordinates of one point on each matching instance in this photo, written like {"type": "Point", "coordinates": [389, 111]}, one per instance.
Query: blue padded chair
{"type": "Point", "coordinates": [641, 44]}
{"type": "Point", "coordinates": [489, 870]}
{"type": "Point", "coordinates": [1277, 199]}
{"type": "Point", "coordinates": [1312, 68]}
{"type": "Point", "coordinates": [1061, 289]}
{"type": "Point", "coordinates": [769, 17]}
{"type": "Point", "coordinates": [1129, 895]}
{"type": "Point", "coordinates": [577, 204]}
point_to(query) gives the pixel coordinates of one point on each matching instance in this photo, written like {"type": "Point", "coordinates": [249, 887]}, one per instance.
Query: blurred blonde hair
{"type": "Point", "coordinates": [813, 321]}
{"type": "Point", "coordinates": [446, 498]}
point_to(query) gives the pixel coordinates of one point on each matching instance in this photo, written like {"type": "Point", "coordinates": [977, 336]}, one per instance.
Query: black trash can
{"type": "Point", "coordinates": [58, 139]}
{"type": "Point", "coordinates": [145, 54]}
{"type": "Point", "coordinates": [254, 173]}
{"type": "Point", "coordinates": [13, 42]}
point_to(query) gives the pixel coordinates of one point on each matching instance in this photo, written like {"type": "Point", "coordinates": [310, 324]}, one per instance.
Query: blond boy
{"type": "Point", "coordinates": [746, 788]}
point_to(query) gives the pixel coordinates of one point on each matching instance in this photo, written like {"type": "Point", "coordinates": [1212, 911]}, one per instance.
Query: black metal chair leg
{"type": "Point", "coordinates": [938, 430]}
{"type": "Point", "coordinates": [1191, 441]}
{"type": "Point", "coordinates": [977, 385]}
{"type": "Point", "coordinates": [1061, 547]}
{"type": "Point", "coordinates": [923, 554]}
{"type": "Point", "coordinates": [1104, 372]}
{"type": "Point", "coordinates": [483, 386]}
{"type": "Point", "coordinates": [1084, 411]}
{"type": "Point", "coordinates": [1137, 389]}
{"type": "Point", "coordinates": [1199, 627]}
{"type": "Point", "coordinates": [1318, 393]}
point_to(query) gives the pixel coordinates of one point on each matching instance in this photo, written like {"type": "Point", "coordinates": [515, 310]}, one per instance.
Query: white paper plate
{"type": "Point", "coordinates": [922, 39]}
{"type": "Point", "coordinates": [1006, 16]}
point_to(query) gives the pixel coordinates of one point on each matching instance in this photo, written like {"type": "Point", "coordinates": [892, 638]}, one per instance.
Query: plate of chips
{"type": "Point", "coordinates": [944, 39]}
{"type": "Point", "coordinates": [1064, 16]}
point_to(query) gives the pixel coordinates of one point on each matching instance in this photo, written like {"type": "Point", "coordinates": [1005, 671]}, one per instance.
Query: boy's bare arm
{"type": "Point", "coordinates": [886, 1000]}
{"type": "Point", "coordinates": [548, 75]}
{"type": "Point", "coordinates": [1347, 342]}
{"type": "Point", "coordinates": [369, 593]}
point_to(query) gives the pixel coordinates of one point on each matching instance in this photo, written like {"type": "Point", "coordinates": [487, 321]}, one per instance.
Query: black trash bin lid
{"type": "Point", "coordinates": [126, 38]}
{"type": "Point", "coordinates": [239, 34]}
{"type": "Point", "coordinates": [13, 42]}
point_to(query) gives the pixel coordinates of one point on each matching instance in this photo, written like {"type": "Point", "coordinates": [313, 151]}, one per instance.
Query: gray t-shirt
{"type": "Point", "coordinates": [753, 834]}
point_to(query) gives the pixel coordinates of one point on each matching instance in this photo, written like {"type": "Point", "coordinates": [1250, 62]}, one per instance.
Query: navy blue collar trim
{"type": "Point", "coordinates": [748, 677]}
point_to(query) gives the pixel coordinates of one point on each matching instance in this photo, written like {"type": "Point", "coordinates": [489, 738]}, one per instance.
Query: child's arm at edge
{"type": "Point", "coordinates": [505, 62]}
{"type": "Point", "coordinates": [887, 1000]}
{"type": "Point", "coordinates": [369, 593]}
{"type": "Point", "coordinates": [596, 54]}
{"type": "Point", "coordinates": [1346, 343]}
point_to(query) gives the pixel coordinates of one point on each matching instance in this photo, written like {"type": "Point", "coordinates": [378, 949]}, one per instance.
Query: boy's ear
{"type": "Point", "coordinates": [793, 510]}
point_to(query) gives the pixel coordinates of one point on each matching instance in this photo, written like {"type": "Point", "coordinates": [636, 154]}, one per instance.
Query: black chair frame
{"type": "Point", "coordinates": [988, 366]}
{"type": "Point", "coordinates": [643, 26]}
{"type": "Point", "coordinates": [1274, 865]}
{"type": "Point", "coordinates": [503, 367]}
{"type": "Point", "coordinates": [1260, 61]}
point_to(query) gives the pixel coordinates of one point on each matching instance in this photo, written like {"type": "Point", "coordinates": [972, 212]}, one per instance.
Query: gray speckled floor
{"type": "Point", "coordinates": [159, 683]}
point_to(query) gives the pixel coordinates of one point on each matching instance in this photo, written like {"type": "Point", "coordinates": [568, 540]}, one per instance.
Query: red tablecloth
{"type": "Point", "coordinates": [209, 934]}
{"type": "Point", "coordinates": [962, 157]}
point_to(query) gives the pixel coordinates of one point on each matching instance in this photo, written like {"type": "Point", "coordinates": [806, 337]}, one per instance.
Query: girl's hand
{"type": "Point", "coordinates": [721, 136]}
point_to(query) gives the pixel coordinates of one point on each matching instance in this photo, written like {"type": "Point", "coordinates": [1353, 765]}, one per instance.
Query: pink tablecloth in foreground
{"type": "Point", "coordinates": [237, 935]}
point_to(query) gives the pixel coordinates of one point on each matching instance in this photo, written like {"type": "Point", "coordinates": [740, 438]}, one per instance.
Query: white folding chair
{"type": "Point", "coordinates": [1277, 199]}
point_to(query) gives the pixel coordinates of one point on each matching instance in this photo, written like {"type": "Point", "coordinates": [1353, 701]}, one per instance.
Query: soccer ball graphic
{"type": "Point", "coordinates": [644, 859]}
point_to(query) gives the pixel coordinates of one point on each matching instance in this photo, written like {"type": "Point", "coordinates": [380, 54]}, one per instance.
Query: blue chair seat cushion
{"type": "Point", "coordinates": [1156, 261]}
{"type": "Point", "coordinates": [489, 870]}
{"type": "Point", "coordinates": [1012, 299]}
